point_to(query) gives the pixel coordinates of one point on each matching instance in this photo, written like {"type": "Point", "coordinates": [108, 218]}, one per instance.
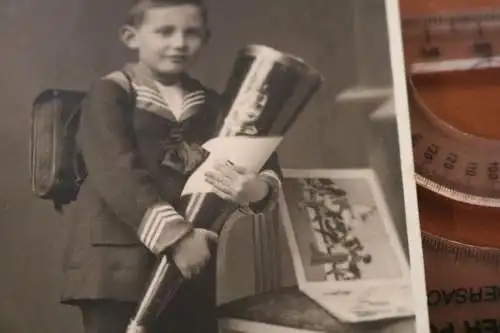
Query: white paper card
{"type": "Point", "coordinates": [244, 151]}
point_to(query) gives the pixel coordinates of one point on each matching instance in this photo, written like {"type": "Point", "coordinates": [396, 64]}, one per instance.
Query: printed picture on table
{"type": "Point", "coordinates": [341, 230]}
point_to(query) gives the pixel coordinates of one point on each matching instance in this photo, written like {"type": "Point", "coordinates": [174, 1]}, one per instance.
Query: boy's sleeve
{"type": "Point", "coordinates": [115, 171]}
{"type": "Point", "coordinates": [272, 175]}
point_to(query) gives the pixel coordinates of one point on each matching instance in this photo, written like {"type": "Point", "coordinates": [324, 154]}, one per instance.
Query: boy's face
{"type": "Point", "coordinates": [169, 38]}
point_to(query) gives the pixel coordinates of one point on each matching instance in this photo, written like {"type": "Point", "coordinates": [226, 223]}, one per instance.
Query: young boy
{"type": "Point", "coordinates": [141, 132]}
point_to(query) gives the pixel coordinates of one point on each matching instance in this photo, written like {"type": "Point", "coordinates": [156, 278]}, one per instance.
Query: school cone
{"type": "Point", "coordinates": [266, 92]}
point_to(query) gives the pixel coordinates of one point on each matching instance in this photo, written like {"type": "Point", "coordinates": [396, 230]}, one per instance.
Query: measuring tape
{"type": "Point", "coordinates": [458, 174]}
{"type": "Point", "coordinates": [463, 286]}
{"type": "Point", "coordinates": [454, 164]}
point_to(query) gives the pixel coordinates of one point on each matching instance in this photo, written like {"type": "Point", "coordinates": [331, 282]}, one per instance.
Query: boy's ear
{"type": "Point", "coordinates": [128, 35]}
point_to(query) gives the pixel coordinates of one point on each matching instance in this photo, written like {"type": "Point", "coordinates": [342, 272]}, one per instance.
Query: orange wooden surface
{"type": "Point", "coordinates": [467, 100]}
{"type": "Point", "coordinates": [456, 44]}
{"type": "Point", "coordinates": [451, 46]}
{"type": "Point", "coordinates": [422, 7]}
{"type": "Point", "coordinates": [471, 102]}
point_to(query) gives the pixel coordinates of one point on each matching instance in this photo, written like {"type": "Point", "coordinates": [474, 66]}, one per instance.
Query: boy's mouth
{"type": "Point", "coordinates": [177, 58]}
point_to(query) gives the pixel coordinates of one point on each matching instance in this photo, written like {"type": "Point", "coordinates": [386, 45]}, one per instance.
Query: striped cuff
{"type": "Point", "coordinates": [269, 202]}
{"type": "Point", "coordinates": [161, 227]}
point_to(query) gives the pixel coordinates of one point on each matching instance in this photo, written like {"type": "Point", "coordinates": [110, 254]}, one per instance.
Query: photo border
{"type": "Point", "coordinates": [398, 72]}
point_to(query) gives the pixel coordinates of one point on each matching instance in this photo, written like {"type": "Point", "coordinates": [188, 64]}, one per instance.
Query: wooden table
{"type": "Point", "coordinates": [290, 311]}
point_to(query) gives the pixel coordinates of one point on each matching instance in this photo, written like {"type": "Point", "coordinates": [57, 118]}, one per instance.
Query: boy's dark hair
{"type": "Point", "coordinates": [137, 12]}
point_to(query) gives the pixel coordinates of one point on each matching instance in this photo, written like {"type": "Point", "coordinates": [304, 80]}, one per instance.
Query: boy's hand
{"type": "Point", "coordinates": [192, 253]}
{"type": "Point", "coordinates": [236, 184]}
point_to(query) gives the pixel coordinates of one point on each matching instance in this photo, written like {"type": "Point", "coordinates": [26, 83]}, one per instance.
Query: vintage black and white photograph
{"type": "Point", "coordinates": [206, 166]}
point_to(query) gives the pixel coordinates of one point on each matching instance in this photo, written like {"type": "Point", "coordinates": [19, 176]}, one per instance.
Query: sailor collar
{"type": "Point", "coordinates": [149, 98]}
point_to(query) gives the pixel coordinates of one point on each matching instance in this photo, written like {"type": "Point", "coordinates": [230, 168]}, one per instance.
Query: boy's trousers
{"type": "Point", "coordinates": [193, 310]}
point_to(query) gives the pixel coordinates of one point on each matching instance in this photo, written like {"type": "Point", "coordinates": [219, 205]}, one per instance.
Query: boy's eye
{"type": "Point", "coordinates": [189, 33]}
{"type": "Point", "coordinates": [165, 31]}
{"type": "Point", "coordinates": [194, 32]}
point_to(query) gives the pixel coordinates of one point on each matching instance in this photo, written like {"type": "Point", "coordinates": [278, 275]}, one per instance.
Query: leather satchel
{"type": "Point", "coordinates": [56, 164]}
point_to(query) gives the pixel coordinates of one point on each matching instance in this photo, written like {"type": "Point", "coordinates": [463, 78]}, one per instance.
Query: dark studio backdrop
{"type": "Point", "coordinates": [69, 43]}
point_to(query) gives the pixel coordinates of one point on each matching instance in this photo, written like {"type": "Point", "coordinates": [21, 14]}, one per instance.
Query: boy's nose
{"type": "Point", "coordinates": [178, 41]}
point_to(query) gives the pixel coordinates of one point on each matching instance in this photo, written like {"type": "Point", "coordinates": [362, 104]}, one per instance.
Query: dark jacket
{"type": "Point", "coordinates": [125, 142]}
